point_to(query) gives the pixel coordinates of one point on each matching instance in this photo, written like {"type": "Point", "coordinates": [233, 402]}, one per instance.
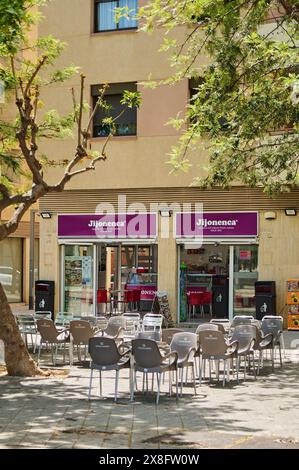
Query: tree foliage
{"type": "Point", "coordinates": [246, 99]}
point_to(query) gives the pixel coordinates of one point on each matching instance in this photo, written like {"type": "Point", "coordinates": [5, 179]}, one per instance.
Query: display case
{"type": "Point", "coordinates": [147, 284]}
{"type": "Point", "coordinates": [197, 282]}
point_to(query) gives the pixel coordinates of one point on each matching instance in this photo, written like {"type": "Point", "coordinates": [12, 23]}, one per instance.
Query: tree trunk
{"type": "Point", "coordinates": [17, 358]}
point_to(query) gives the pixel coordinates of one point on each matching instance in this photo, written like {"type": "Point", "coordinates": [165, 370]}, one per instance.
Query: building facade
{"type": "Point", "coordinates": [233, 238]}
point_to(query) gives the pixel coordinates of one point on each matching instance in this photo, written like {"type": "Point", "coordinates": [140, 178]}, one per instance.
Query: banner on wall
{"type": "Point", "coordinates": [216, 224]}
{"type": "Point", "coordinates": [95, 226]}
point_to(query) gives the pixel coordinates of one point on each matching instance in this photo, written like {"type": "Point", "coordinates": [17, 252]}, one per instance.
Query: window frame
{"type": "Point", "coordinates": [116, 89]}
{"type": "Point", "coordinates": [96, 29]}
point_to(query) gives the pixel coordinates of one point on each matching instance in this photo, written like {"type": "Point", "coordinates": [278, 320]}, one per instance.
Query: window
{"type": "Point", "coordinates": [126, 124]}
{"type": "Point", "coordinates": [11, 268]}
{"type": "Point", "coordinates": [105, 15]}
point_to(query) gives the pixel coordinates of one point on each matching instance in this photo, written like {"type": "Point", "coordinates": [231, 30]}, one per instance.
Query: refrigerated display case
{"type": "Point", "coordinates": [147, 284]}
{"type": "Point", "coordinates": [198, 282]}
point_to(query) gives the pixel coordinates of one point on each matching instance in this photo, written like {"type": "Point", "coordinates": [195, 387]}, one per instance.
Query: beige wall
{"type": "Point", "coordinates": [167, 266]}
{"type": "Point", "coordinates": [49, 268]}
{"type": "Point", "coordinates": [113, 57]}
{"type": "Point", "coordinates": [279, 252]}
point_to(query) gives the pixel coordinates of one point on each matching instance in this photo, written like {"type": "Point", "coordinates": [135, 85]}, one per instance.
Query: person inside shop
{"type": "Point", "coordinates": [134, 278]}
{"type": "Point", "coordinates": [243, 268]}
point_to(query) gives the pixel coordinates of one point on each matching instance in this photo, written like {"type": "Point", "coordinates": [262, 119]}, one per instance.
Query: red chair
{"type": "Point", "coordinates": [102, 298]}
{"type": "Point", "coordinates": [132, 297]}
{"type": "Point", "coordinates": [195, 299]}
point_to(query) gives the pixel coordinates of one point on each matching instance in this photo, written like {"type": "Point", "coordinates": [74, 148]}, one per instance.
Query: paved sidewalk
{"type": "Point", "coordinates": [55, 413]}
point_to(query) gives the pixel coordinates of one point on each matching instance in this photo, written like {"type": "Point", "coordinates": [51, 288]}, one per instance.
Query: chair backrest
{"type": "Point", "coordinates": [153, 335]}
{"type": "Point", "coordinates": [241, 320]}
{"type": "Point", "coordinates": [81, 331]}
{"type": "Point", "coordinates": [272, 325]}
{"type": "Point", "coordinates": [244, 334]}
{"type": "Point", "coordinates": [146, 353]}
{"type": "Point", "coordinates": [63, 318]}
{"type": "Point", "coordinates": [207, 297]}
{"type": "Point", "coordinates": [136, 295]}
{"type": "Point", "coordinates": [152, 321]}
{"type": "Point", "coordinates": [103, 351]}
{"type": "Point", "coordinates": [132, 320]}
{"type": "Point", "coordinates": [168, 334]}
{"type": "Point", "coordinates": [195, 298]}
{"type": "Point", "coordinates": [183, 342]}
{"type": "Point", "coordinates": [102, 296]}
{"type": "Point", "coordinates": [212, 343]}
{"type": "Point", "coordinates": [47, 330]}
{"type": "Point", "coordinates": [26, 323]}
{"type": "Point", "coordinates": [39, 314]}
{"type": "Point", "coordinates": [207, 327]}
{"type": "Point", "coordinates": [114, 324]}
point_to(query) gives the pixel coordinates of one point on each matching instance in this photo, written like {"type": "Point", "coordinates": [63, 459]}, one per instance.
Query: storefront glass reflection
{"type": "Point", "coordinates": [78, 286]}
{"type": "Point", "coordinates": [245, 275]}
{"type": "Point", "coordinates": [11, 265]}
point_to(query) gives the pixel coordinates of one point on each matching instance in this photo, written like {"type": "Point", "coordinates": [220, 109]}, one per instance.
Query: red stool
{"type": "Point", "coordinates": [102, 297]}
{"type": "Point", "coordinates": [195, 299]}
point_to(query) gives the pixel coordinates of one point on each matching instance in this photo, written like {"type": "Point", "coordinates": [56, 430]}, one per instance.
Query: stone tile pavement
{"type": "Point", "coordinates": [55, 413]}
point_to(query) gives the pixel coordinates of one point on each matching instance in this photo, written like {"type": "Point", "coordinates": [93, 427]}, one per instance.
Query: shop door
{"type": "Point", "coordinates": [78, 279]}
{"type": "Point", "coordinates": [245, 274]}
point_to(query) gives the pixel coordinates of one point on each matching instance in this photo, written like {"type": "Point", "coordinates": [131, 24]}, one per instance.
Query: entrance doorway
{"type": "Point", "coordinates": [225, 273]}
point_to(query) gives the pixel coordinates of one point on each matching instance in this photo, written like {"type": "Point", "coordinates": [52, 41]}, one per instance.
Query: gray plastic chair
{"type": "Point", "coordinates": [207, 326]}
{"type": "Point", "coordinates": [115, 328]}
{"type": "Point", "coordinates": [245, 335]}
{"type": "Point", "coordinates": [168, 334]}
{"type": "Point", "coordinates": [241, 320]}
{"type": "Point", "coordinates": [81, 332]}
{"type": "Point", "coordinates": [153, 335]}
{"type": "Point", "coordinates": [274, 325]}
{"type": "Point", "coordinates": [27, 327]}
{"type": "Point", "coordinates": [53, 337]}
{"type": "Point", "coordinates": [214, 347]}
{"type": "Point", "coordinates": [105, 355]}
{"type": "Point", "coordinates": [148, 359]}
{"type": "Point", "coordinates": [185, 345]}
{"type": "Point", "coordinates": [261, 344]}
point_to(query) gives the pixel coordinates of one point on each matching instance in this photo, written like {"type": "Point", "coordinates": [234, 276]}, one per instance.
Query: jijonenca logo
{"type": "Point", "coordinates": [110, 223]}
{"type": "Point", "coordinates": [216, 223]}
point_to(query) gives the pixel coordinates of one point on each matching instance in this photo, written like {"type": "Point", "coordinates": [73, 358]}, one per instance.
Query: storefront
{"type": "Point", "coordinates": [114, 252]}
{"type": "Point", "coordinates": [218, 254]}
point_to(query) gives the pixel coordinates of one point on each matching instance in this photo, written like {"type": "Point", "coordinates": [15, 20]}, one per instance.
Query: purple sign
{"type": "Point", "coordinates": [217, 224]}
{"type": "Point", "coordinates": [107, 226]}
{"type": "Point", "coordinates": [147, 292]}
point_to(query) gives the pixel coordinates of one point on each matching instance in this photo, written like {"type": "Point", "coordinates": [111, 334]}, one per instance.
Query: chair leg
{"type": "Point", "coordinates": [182, 379]}
{"type": "Point", "coordinates": [176, 383]}
{"type": "Point", "coordinates": [280, 358]}
{"type": "Point", "coordinates": [158, 387]}
{"type": "Point", "coordinates": [245, 364]}
{"type": "Point", "coordinates": [132, 385]}
{"type": "Point", "coordinates": [90, 383]}
{"type": "Point", "coordinates": [253, 366]}
{"type": "Point", "coordinates": [194, 382]}
{"type": "Point", "coordinates": [273, 358]}
{"type": "Point", "coordinates": [116, 384]}
{"type": "Point", "coordinates": [100, 380]}
{"type": "Point", "coordinates": [39, 350]}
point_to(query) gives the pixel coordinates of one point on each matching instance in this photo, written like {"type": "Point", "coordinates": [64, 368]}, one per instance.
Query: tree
{"type": "Point", "coordinates": [246, 100]}
{"type": "Point", "coordinates": [23, 167]}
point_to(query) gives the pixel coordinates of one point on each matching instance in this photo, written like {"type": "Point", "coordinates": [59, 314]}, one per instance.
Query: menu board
{"type": "Point", "coordinates": [161, 305]}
